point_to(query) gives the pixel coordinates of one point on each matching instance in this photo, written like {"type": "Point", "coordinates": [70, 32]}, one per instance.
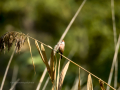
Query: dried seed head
{"type": "Point", "coordinates": [2, 44]}
{"type": "Point", "coordinates": [9, 38]}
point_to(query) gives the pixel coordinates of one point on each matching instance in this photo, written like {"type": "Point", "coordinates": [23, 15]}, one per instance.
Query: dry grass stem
{"type": "Point", "coordinates": [55, 82]}
{"type": "Point", "coordinates": [31, 53]}
{"type": "Point", "coordinates": [101, 85]}
{"type": "Point", "coordinates": [41, 79]}
{"type": "Point", "coordinates": [58, 75]}
{"type": "Point", "coordinates": [89, 83]}
{"type": "Point", "coordinates": [52, 66]}
{"type": "Point", "coordinates": [79, 88]}
{"type": "Point", "coordinates": [75, 84]}
{"type": "Point", "coordinates": [13, 86]}
{"type": "Point", "coordinates": [114, 61]}
{"type": "Point", "coordinates": [14, 76]}
{"type": "Point", "coordinates": [3, 81]}
{"type": "Point", "coordinates": [115, 42]}
{"type": "Point", "coordinates": [45, 85]}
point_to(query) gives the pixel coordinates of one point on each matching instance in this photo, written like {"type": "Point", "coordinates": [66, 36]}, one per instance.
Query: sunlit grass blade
{"type": "Point", "coordinates": [52, 66]}
{"type": "Point", "coordinates": [15, 73]}
{"type": "Point", "coordinates": [6, 71]}
{"type": "Point", "coordinates": [31, 53]}
{"type": "Point", "coordinates": [55, 81]}
{"type": "Point", "coordinates": [58, 74]}
{"type": "Point", "coordinates": [75, 84]}
{"type": "Point", "coordinates": [89, 83]}
{"type": "Point", "coordinates": [45, 59]}
{"type": "Point", "coordinates": [45, 85]}
{"type": "Point", "coordinates": [38, 48]}
{"type": "Point", "coordinates": [41, 79]}
{"type": "Point", "coordinates": [115, 42]}
{"type": "Point", "coordinates": [62, 75]}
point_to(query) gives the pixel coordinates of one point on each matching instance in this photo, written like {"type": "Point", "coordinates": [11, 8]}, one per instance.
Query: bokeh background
{"type": "Point", "coordinates": [91, 37]}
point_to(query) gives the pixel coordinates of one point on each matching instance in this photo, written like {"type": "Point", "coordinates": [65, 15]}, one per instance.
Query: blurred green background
{"type": "Point", "coordinates": [91, 37]}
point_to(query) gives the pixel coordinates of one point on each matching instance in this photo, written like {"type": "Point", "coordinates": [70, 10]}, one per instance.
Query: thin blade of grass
{"type": "Point", "coordinates": [3, 81]}
{"type": "Point", "coordinates": [89, 83]}
{"type": "Point", "coordinates": [79, 88]}
{"type": "Point", "coordinates": [14, 76]}
{"type": "Point", "coordinates": [54, 87]}
{"type": "Point", "coordinates": [13, 86]}
{"type": "Point", "coordinates": [115, 42]}
{"type": "Point", "coordinates": [41, 79]}
{"type": "Point", "coordinates": [101, 85]}
{"type": "Point", "coordinates": [114, 61]}
{"type": "Point", "coordinates": [75, 84]}
{"type": "Point", "coordinates": [62, 75]}
{"type": "Point", "coordinates": [31, 53]}
{"type": "Point", "coordinates": [58, 75]}
{"type": "Point", "coordinates": [52, 66]}
{"type": "Point", "coordinates": [45, 59]}
{"type": "Point", "coordinates": [45, 85]}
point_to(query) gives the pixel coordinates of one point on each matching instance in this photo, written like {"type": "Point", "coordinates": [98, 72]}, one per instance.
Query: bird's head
{"type": "Point", "coordinates": [63, 42]}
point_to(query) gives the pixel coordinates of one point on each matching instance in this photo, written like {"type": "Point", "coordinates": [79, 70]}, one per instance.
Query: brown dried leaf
{"type": "Point", "coordinates": [101, 85]}
{"type": "Point", "coordinates": [58, 75]}
{"type": "Point", "coordinates": [52, 66]}
{"type": "Point", "coordinates": [45, 59]}
{"type": "Point", "coordinates": [79, 88]}
{"type": "Point", "coordinates": [38, 48]}
{"type": "Point", "coordinates": [62, 75]}
{"type": "Point", "coordinates": [54, 87]}
{"type": "Point", "coordinates": [55, 68]}
{"type": "Point", "coordinates": [31, 53]}
{"type": "Point", "coordinates": [89, 83]}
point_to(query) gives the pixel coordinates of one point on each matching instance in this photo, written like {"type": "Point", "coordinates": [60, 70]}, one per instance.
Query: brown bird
{"type": "Point", "coordinates": [61, 48]}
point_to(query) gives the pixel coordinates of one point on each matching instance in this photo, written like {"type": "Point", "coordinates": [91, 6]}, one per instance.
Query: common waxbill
{"type": "Point", "coordinates": [61, 48]}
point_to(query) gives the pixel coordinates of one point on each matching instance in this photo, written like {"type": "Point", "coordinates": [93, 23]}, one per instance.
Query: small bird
{"type": "Point", "coordinates": [61, 47]}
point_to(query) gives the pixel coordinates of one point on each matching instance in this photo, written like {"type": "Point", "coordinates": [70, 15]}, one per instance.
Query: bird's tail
{"type": "Point", "coordinates": [61, 56]}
